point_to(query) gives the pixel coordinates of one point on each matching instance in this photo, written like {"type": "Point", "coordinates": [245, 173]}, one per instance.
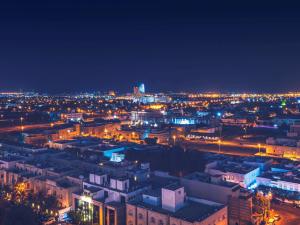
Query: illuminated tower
{"type": "Point", "coordinates": [142, 88]}
{"type": "Point", "coordinates": [136, 90]}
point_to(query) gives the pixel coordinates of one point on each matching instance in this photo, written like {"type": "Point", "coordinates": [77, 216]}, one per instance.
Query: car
{"type": "Point", "coordinates": [296, 206]}
{"type": "Point", "coordinates": [277, 217]}
{"type": "Point", "coordinates": [50, 221]}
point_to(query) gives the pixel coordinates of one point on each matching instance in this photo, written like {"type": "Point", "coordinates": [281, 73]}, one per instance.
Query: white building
{"type": "Point", "coordinates": [240, 173]}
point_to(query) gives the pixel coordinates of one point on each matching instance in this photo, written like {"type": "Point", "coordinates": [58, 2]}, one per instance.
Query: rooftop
{"type": "Point", "coordinates": [234, 167]}
{"type": "Point", "coordinates": [191, 212]}
{"type": "Point", "coordinates": [173, 186]}
{"type": "Point", "coordinates": [206, 178]}
{"type": "Point", "coordinates": [292, 177]}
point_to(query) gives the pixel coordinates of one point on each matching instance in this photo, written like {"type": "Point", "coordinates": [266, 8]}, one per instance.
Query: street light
{"type": "Point", "coordinates": [105, 132]}
{"type": "Point", "coordinates": [174, 139]}
{"type": "Point", "coordinates": [245, 129]}
{"type": "Point", "coordinates": [21, 119]}
{"type": "Point", "coordinates": [259, 145]}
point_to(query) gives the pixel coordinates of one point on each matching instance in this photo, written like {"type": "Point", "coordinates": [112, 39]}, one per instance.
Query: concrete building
{"type": "Point", "coordinates": [205, 186]}
{"type": "Point", "coordinates": [235, 172]}
{"type": "Point", "coordinates": [240, 207]}
{"type": "Point", "coordinates": [172, 207]}
{"type": "Point", "coordinates": [103, 198]}
{"type": "Point", "coordinates": [214, 188]}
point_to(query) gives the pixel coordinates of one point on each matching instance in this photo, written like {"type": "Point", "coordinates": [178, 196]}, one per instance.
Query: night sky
{"type": "Point", "coordinates": [62, 46]}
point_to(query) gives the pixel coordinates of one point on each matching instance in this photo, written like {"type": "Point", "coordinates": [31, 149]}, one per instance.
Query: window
{"type": "Point", "coordinates": [140, 216]}
{"type": "Point", "coordinates": [130, 212]}
{"type": "Point", "coordinates": [152, 220]}
{"type": "Point", "coordinates": [122, 199]}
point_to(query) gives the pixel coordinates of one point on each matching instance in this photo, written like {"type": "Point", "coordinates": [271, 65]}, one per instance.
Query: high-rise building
{"type": "Point", "coordinates": [136, 90]}
{"type": "Point", "coordinates": [142, 88]}
{"type": "Point", "coordinates": [139, 89]}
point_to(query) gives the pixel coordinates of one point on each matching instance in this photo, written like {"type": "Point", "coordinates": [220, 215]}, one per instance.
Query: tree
{"type": "Point", "coordinates": [51, 202]}
{"type": "Point", "coordinates": [11, 214]}
{"type": "Point", "coordinates": [76, 218]}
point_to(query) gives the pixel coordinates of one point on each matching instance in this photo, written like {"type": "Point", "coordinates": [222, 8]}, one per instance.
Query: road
{"type": "Point", "coordinates": [288, 214]}
{"type": "Point", "coordinates": [235, 149]}
{"type": "Point", "coordinates": [27, 127]}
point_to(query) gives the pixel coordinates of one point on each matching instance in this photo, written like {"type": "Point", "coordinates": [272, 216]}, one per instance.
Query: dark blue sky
{"type": "Point", "coordinates": [62, 45]}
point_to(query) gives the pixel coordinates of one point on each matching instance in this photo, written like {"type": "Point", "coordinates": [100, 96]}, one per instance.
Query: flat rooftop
{"type": "Point", "coordinates": [173, 186]}
{"type": "Point", "coordinates": [9, 158]}
{"type": "Point", "coordinates": [292, 178]}
{"type": "Point", "coordinates": [206, 178]}
{"type": "Point", "coordinates": [191, 212]}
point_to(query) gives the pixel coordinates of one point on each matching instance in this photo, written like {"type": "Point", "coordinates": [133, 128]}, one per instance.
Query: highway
{"type": "Point", "coordinates": [288, 214]}
{"type": "Point", "coordinates": [27, 127]}
{"type": "Point", "coordinates": [230, 148]}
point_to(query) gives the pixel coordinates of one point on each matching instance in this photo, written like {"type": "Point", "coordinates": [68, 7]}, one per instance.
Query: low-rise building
{"type": "Point", "coordinates": [235, 172]}
{"type": "Point", "coordinates": [171, 206]}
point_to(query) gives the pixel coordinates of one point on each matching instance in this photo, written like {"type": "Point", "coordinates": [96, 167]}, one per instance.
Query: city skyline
{"type": "Point", "coordinates": [149, 112]}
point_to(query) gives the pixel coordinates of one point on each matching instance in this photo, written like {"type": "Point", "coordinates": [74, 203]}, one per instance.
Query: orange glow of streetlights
{"type": "Point", "coordinates": [219, 143]}
{"type": "Point", "coordinates": [259, 145]}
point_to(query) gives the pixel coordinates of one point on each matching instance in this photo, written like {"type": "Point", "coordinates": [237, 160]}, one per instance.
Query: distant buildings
{"type": "Point", "coordinates": [285, 147]}
{"type": "Point", "coordinates": [139, 90]}
{"type": "Point", "coordinates": [82, 162]}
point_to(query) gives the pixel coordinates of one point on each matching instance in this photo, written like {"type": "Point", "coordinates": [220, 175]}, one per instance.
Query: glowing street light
{"type": "Point", "coordinates": [105, 132]}
{"type": "Point", "coordinates": [245, 130]}
{"type": "Point", "coordinates": [174, 139]}
{"type": "Point", "coordinates": [21, 119]}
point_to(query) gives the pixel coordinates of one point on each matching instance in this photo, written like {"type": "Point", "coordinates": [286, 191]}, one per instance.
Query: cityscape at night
{"type": "Point", "coordinates": [149, 113]}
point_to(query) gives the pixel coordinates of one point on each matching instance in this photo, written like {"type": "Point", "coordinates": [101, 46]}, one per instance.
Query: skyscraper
{"type": "Point", "coordinates": [139, 89]}
{"type": "Point", "coordinates": [142, 88]}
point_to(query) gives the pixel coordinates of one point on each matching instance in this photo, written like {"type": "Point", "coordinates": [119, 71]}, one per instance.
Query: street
{"type": "Point", "coordinates": [224, 149]}
{"type": "Point", "coordinates": [27, 127]}
{"type": "Point", "coordinates": [288, 214]}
